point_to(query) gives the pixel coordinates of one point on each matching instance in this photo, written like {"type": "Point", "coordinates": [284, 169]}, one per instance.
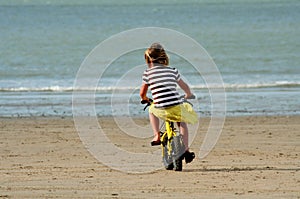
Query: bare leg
{"type": "Point", "coordinates": [188, 156]}
{"type": "Point", "coordinates": [155, 126]}
{"type": "Point", "coordinates": [185, 134]}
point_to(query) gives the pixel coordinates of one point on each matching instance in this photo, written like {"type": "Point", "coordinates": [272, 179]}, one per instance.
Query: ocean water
{"type": "Point", "coordinates": [255, 45]}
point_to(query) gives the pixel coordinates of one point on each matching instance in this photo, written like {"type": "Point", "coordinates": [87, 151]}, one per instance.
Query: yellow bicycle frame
{"type": "Point", "coordinates": [169, 133]}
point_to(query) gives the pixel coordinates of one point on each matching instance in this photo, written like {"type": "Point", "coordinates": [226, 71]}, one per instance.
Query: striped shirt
{"type": "Point", "coordinates": [162, 81]}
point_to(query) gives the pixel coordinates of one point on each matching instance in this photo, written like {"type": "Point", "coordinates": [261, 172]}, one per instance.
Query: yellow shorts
{"type": "Point", "coordinates": [179, 113]}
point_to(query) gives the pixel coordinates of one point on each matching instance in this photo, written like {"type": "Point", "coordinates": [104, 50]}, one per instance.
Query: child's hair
{"type": "Point", "coordinates": [156, 54]}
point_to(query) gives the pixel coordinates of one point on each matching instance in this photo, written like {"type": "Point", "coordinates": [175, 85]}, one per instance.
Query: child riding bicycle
{"type": "Point", "coordinates": [167, 103]}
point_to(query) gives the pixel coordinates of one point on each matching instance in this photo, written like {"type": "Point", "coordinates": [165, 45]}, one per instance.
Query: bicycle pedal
{"type": "Point", "coordinates": [155, 143]}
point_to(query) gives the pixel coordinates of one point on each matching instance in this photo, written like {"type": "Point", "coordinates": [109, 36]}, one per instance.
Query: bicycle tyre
{"type": "Point", "coordinates": [167, 159]}
{"type": "Point", "coordinates": [178, 151]}
{"type": "Point", "coordinates": [178, 164]}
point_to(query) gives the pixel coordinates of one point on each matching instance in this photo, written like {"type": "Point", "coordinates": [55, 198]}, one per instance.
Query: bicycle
{"type": "Point", "coordinates": [173, 149]}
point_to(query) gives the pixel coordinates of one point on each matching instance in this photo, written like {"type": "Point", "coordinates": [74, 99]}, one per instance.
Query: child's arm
{"type": "Point", "coordinates": [143, 92]}
{"type": "Point", "coordinates": [185, 88]}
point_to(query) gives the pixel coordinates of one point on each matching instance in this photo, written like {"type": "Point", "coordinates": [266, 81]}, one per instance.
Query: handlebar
{"type": "Point", "coordinates": [147, 102]}
{"type": "Point", "coordinates": [191, 97]}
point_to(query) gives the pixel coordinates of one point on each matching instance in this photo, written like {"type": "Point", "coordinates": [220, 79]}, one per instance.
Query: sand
{"type": "Point", "coordinates": [255, 157]}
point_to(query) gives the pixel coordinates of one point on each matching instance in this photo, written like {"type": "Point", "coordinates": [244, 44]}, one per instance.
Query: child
{"type": "Point", "coordinates": [167, 105]}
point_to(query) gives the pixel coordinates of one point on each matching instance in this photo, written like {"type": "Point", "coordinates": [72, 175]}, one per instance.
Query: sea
{"type": "Point", "coordinates": [254, 44]}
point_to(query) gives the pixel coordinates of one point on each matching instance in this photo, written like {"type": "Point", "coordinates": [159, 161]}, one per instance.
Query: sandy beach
{"type": "Point", "coordinates": [255, 157]}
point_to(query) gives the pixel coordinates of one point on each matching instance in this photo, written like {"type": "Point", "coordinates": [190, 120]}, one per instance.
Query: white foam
{"type": "Point", "coordinates": [279, 84]}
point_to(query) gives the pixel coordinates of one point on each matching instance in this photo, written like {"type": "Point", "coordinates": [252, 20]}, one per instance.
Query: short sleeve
{"type": "Point", "coordinates": [177, 75]}
{"type": "Point", "coordinates": [145, 78]}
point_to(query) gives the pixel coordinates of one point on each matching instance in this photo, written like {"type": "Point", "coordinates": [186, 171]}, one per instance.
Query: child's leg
{"type": "Point", "coordinates": [188, 156]}
{"type": "Point", "coordinates": [155, 126]}
{"type": "Point", "coordinates": [185, 134]}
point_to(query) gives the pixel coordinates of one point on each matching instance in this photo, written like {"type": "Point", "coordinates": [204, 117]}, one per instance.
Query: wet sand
{"type": "Point", "coordinates": [255, 157]}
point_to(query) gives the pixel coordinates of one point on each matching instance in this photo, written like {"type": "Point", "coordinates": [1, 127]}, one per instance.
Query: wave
{"type": "Point", "coordinates": [278, 84]}
{"type": "Point", "coordinates": [62, 89]}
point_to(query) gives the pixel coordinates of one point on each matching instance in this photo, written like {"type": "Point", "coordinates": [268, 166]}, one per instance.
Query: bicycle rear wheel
{"type": "Point", "coordinates": [178, 151]}
{"type": "Point", "coordinates": [167, 159]}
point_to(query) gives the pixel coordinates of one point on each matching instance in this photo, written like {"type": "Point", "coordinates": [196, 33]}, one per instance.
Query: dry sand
{"type": "Point", "coordinates": [255, 157]}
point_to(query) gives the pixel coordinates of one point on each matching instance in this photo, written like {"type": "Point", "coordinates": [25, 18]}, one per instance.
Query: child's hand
{"type": "Point", "coordinates": [189, 96]}
{"type": "Point", "coordinates": [146, 100]}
